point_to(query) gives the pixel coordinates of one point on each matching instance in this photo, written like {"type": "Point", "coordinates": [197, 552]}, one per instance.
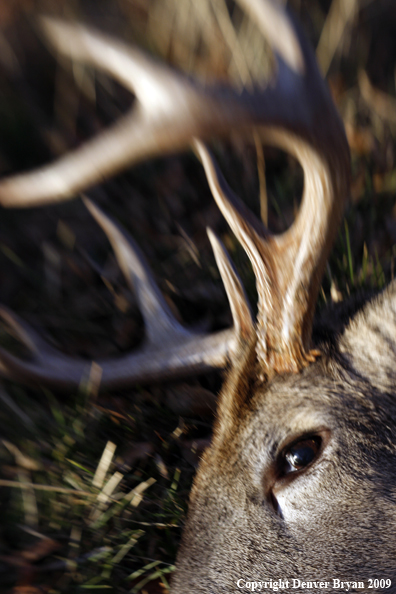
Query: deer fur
{"type": "Point", "coordinates": [299, 482]}
{"type": "Point", "coordinates": [337, 519]}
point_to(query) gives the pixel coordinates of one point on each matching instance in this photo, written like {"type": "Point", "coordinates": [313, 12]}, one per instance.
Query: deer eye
{"type": "Point", "coordinates": [301, 454]}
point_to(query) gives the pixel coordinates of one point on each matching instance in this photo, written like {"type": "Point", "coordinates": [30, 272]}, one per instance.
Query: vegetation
{"type": "Point", "coordinates": [94, 487]}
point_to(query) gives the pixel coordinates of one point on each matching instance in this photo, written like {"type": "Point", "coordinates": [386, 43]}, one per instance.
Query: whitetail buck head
{"type": "Point", "coordinates": [300, 481]}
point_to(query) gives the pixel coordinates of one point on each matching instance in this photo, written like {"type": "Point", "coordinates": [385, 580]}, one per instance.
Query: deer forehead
{"type": "Point", "coordinates": [291, 406]}
{"type": "Point", "coordinates": [344, 410]}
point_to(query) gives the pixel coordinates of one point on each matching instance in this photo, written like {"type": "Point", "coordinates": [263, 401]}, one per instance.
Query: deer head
{"type": "Point", "coordinates": [299, 481]}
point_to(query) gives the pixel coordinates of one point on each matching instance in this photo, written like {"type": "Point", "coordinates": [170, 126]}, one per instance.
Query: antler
{"type": "Point", "coordinates": [294, 112]}
{"type": "Point", "coordinates": [185, 352]}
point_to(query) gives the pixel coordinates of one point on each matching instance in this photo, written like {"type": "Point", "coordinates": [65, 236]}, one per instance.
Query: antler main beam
{"type": "Point", "coordinates": [294, 112]}
{"type": "Point", "coordinates": [185, 352]}
{"type": "Point", "coordinates": [170, 109]}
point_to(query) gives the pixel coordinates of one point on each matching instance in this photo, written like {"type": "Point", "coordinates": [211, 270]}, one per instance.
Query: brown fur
{"type": "Point", "coordinates": [338, 517]}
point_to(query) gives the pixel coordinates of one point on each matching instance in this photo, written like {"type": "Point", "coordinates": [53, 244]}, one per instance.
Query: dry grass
{"type": "Point", "coordinates": [94, 489]}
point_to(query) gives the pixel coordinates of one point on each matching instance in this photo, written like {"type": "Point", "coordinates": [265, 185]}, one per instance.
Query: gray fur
{"type": "Point", "coordinates": [339, 515]}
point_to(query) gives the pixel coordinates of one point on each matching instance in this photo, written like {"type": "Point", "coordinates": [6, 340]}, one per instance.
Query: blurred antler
{"type": "Point", "coordinates": [169, 349]}
{"type": "Point", "coordinates": [170, 109]}
{"type": "Point", "coordinates": [294, 112]}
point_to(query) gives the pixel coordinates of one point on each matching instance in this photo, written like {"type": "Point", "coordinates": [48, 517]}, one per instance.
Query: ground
{"type": "Point", "coordinates": [64, 527]}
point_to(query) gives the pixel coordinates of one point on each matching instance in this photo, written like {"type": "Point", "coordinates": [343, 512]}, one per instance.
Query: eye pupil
{"type": "Point", "coordinates": [302, 453]}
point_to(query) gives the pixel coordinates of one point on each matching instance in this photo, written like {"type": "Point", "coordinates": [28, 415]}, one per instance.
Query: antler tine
{"type": "Point", "coordinates": [43, 364]}
{"type": "Point", "coordinates": [279, 31]}
{"type": "Point", "coordinates": [170, 109]}
{"type": "Point", "coordinates": [48, 366]}
{"type": "Point", "coordinates": [248, 230]}
{"type": "Point", "coordinates": [294, 112]}
{"type": "Point", "coordinates": [158, 318]}
{"type": "Point", "coordinates": [288, 268]}
{"type": "Point", "coordinates": [169, 350]}
{"type": "Point", "coordinates": [239, 304]}
{"type": "Point", "coordinates": [161, 326]}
